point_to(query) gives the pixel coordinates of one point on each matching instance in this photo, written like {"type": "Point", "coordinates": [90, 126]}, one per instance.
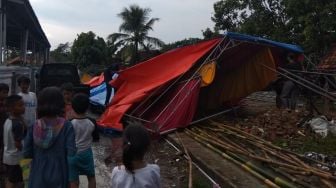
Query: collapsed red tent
{"type": "Point", "coordinates": [137, 82]}
{"type": "Point", "coordinates": [167, 91]}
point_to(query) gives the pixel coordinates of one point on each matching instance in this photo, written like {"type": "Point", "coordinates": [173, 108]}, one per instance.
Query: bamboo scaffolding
{"type": "Point", "coordinates": [251, 137]}
{"type": "Point", "coordinates": [327, 184]}
{"type": "Point", "coordinates": [272, 162]}
{"type": "Point", "coordinates": [290, 177]}
{"type": "Point", "coordinates": [277, 180]}
{"type": "Point", "coordinates": [279, 155]}
{"type": "Point", "coordinates": [234, 145]}
{"type": "Point", "coordinates": [189, 159]}
{"type": "Point", "coordinates": [246, 168]}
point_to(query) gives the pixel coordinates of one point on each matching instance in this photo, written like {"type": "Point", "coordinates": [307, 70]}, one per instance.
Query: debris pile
{"type": "Point", "coordinates": [274, 124]}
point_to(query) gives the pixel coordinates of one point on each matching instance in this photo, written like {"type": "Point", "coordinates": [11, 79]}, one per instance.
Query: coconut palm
{"type": "Point", "coordinates": [135, 27]}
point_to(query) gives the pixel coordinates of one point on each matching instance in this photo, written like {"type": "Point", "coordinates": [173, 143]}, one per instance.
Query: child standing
{"type": "Point", "coordinates": [29, 99]}
{"type": "Point", "coordinates": [4, 89]}
{"type": "Point", "coordinates": [13, 134]}
{"type": "Point", "coordinates": [49, 142]}
{"type": "Point", "coordinates": [68, 90]}
{"type": "Point", "coordinates": [82, 163]}
{"type": "Point", "coordinates": [136, 172]}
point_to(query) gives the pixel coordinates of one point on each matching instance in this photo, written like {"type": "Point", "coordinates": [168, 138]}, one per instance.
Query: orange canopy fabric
{"type": "Point", "coordinates": [137, 82]}
{"type": "Point", "coordinates": [96, 81]}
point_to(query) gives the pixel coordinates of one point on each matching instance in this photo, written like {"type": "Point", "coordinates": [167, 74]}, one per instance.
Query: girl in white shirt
{"type": "Point", "coordinates": [136, 173]}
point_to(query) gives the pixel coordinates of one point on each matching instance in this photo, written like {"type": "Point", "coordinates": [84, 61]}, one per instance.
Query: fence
{"type": "Point", "coordinates": [10, 75]}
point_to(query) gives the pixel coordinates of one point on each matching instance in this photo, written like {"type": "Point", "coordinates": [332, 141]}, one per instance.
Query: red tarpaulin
{"type": "Point", "coordinates": [177, 108]}
{"type": "Point", "coordinates": [137, 82]}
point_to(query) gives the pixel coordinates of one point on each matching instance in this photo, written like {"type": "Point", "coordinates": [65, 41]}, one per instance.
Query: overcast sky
{"type": "Point", "coordinates": [62, 20]}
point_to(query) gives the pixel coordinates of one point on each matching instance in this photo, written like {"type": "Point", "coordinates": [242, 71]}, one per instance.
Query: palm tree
{"type": "Point", "coordinates": [135, 27]}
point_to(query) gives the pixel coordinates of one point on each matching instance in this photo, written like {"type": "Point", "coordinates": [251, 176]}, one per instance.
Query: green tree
{"type": "Point", "coordinates": [256, 17]}
{"type": "Point", "coordinates": [62, 53]}
{"type": "Point", "coordinates": [135, 27]}
{"type": "Point", "coordinates": [180, 43]}
{"type": "Point", "coordinates": [209, 34]}
{"type": "Point", "coordinates": [309, 23]}
{"type": "Point", "coordinates": [113, 49]}
{"type": "Point", "coordinates": [312, 22]}
{"type": "Point", "coordinates": [88, 49]}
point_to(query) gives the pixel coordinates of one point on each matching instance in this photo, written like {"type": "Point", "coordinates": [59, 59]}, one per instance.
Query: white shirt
{"type": "Point", "coordinates": [11, 155]}
{"type": "Point", "coordinates": [83, 133]}
{"type": "Point", "coordinates": [30, 102]}
{"type": "Point", "coordinates": [147, 177]}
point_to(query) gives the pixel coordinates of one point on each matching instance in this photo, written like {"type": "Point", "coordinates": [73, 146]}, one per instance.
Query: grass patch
{"type": "Point", "coordinates": [199, 183]}
{"type": "Point", "coordinates": [325, 146]}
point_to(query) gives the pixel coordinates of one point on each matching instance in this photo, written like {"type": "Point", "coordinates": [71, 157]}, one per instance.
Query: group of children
{"type": "Point", "coordinates": [59, 141]}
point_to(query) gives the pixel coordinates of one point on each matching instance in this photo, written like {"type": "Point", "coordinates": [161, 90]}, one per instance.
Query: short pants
{"type": "Point", "coordinates": [81, 164]}
{"type": "Point", "coordinates": [14, 173]}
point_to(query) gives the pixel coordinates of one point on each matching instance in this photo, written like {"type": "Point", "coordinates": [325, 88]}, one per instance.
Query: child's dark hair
{"type": "Point", "coordinates": [4, 87]}
{"type": "Point", "coordinates": [80, 103]}
{"type": "Point", "coordinates": [50, 102]}
{"type": "Point", "coordinates": [11, 100]}
{"type": "Point", "coordinates": [136, 143]}
{"type": "Point", "coordinates": [67, 87]}
{"type": "Point", "coordinates": [23, 79]}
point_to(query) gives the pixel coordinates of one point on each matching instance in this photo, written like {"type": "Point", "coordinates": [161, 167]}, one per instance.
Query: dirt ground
{"type": "Point", "coordinates": [173, 166]}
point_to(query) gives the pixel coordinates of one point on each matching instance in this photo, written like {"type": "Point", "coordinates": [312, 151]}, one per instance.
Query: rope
{"type": "Point", "coordinates": [137, 118]}
{"type": "Point", "coordinates": [171, 85]}
{"type": "Point", "coordinates": [205, 61]}
{"type": "Point", "coordinates": [309, 72]}
{"type": "Point", "coordinates": [144, 101]}
{"type": "Point", "coordinates": [330, 82]}
{"type": "Point", "coordinates": [177, 106]}
{"type": "Point", "coordinates": [165, 91]}
{"type": "Point", "coordinates": [308, 82]}
{"type": "Point", "coordinates": [309, 61]}
{"type": "Point", "coordinates": [214, 115]}
{"type": "Point", "coordinates": [199, 168]}
{"type": "Point", "coordinates": [312, 89]}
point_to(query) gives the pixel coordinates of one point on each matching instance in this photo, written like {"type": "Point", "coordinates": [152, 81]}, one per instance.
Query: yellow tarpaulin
{"type": "Point", "coordinates": [85, 78]}
{"type": "Point", "coordinates": [207, 73]}
{"type": "Point", "coordinates": [249, 78]}
{"type": "Point", "coordinates": [235, 84]}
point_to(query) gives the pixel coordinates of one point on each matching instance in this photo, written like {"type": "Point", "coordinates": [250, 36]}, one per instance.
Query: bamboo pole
{"type": "Point", "coordinates": [264, 148]}
{"type": "Point", "coordinates": [327, 184]}
{"type": "Point", "coordinates": [250, 136]}
{"type": "Point", "coordinates": [279, 181]}
{"type": "Point", "coordinates": [231, 145]}
{"type": "Point", "coordinates": [291, 171]}
{"type": "Point", "coordinates": [281, 156]}
{"type": "Point", "coordinates": [246, 168]}
{"type": "Point", "coordinates": [290, 177]}
{"type": "Point", "coordinates": [326, 176]}
{"type": "Point", "coordinates": [267, 150]}
{"type": "Point", "coordinates": [189, 160]}
{"type": "Point", "coordinates": [318, 172]}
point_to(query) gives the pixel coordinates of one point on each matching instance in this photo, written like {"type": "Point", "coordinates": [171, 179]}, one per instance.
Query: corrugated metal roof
{"type": "Point", "coordinates": [21, 16]}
